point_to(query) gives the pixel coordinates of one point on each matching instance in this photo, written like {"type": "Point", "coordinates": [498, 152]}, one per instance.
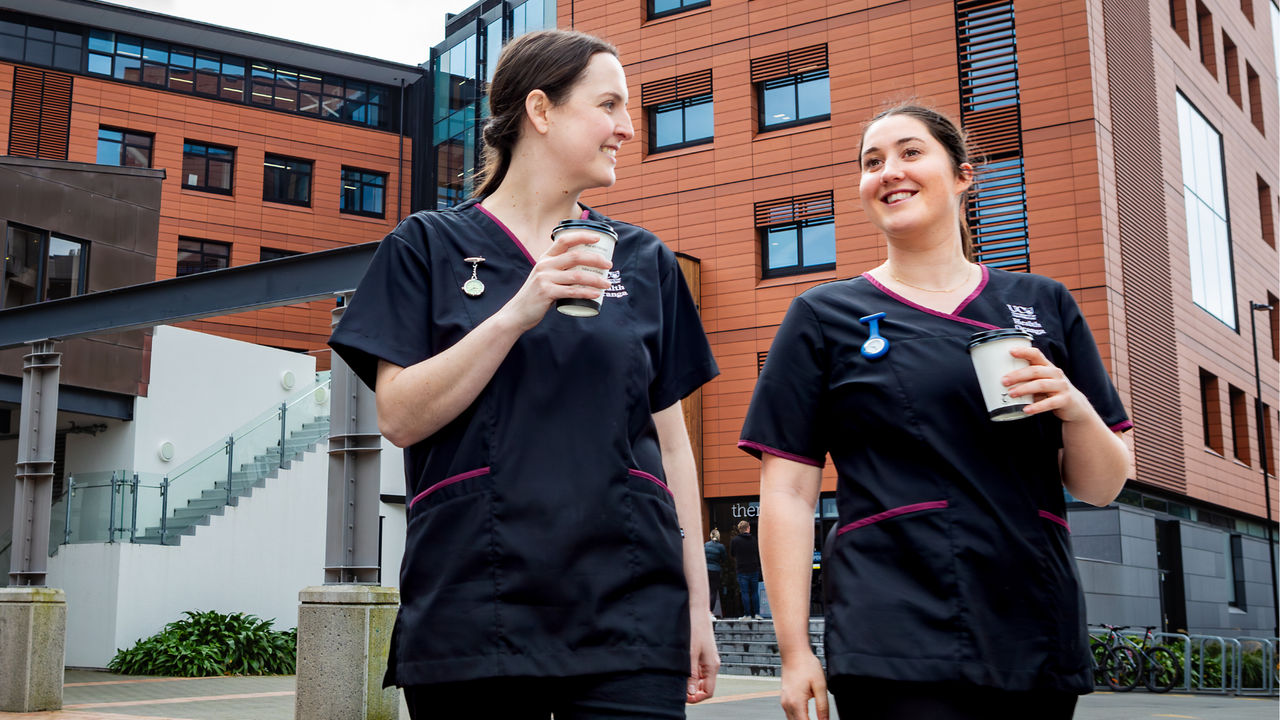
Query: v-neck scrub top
{"type": "Point", "coordinates": [542, 537]}
{"type": "Point", "coordinates": [952, 560]}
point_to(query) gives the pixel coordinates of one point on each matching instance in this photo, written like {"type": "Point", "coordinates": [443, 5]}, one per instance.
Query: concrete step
{"type": "Point", "coordinates": [750, 647]}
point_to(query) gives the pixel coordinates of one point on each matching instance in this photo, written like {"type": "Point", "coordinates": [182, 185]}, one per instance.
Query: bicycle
{"type": "Point", "coordinates": [1124, 661]}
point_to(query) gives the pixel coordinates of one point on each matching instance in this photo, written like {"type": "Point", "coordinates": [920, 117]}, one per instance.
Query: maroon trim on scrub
{"type": "Point", "coordinates": [892, 513]}
{"type": "Point", "coordinates": [653, 478]}
{"type": "Point", "coordinates": [449, 481]}
{"type": "Point", "coordinates": [1122, 426]}
{"type": "Point", "coordinates": [507, 230]}
{"type": "Point", "coordinates": [779, 453]}
{"type": "Point", "coordinates": [953, 315]}
{"type": "Point", "coordinates": [1054, 518]}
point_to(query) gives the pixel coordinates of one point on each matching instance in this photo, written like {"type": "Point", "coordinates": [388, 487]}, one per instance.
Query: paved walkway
{"type": "Point", "coordinates": [101, 696]}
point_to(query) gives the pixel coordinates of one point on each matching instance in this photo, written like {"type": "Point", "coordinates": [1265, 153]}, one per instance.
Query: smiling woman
{"type": "Point", "coordinates": [539, 447]}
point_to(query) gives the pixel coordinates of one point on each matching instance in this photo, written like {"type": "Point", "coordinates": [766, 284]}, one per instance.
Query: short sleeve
{"type": "Point", "coordinates": [1084, 365]}
{"type": "Point", "coordinates": [685, 362]}
{"type": "Point", "coordinates": [388, 317]}
{"type": "Point", "coordinates": [784, 418]}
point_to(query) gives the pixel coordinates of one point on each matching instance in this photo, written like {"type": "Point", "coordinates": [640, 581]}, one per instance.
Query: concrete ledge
{"type": "Point", "coordinates": [349, 595]}
{"type": "Point", "coordinates": [33, 633]}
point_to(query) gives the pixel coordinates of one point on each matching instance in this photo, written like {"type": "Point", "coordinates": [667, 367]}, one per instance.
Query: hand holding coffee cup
{"type": "Point", "coordinates": [990, 352]}
{"type": "Point", "coordinates": [606, 239]}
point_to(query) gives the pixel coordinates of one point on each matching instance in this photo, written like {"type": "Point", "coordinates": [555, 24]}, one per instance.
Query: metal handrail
{"type": "Point", "coordinates": [1197, 651]}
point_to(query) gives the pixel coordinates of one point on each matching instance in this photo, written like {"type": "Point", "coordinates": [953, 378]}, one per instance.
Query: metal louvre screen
{"type": "Point", "coordinates": [676, 88]}
{"type": "Point", "coordinates": [794, 209]}
{"type": "Point", "coordinates": [793, 62]}
{"type": "Point", "coordinates": [40, 117]}
{"type": "Point", "coordinates": [987, 49]}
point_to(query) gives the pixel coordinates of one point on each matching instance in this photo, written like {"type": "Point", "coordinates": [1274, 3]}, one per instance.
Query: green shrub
{"type": "Point", "coordinates": [211, 643]}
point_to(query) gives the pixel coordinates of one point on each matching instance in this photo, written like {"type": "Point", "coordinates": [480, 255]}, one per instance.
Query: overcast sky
{"type": "Point", "coordinates": [398, 30]}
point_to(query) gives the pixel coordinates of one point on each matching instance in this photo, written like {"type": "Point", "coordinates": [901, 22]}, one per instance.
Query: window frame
{"type": "Point", "coordinates": [124, 144]}
{"type": "Point", "coordinates": [311, 169]}
{"type": "Point", "coordinates": [42, 264]}
{"type": "Point", "coordinates": [1189, 156]}
{"type": "Point", "coordinates": [651, 115]}
{"type": "Point", "coordinates": [800, 268]}
{"type": "Point", "coordinates": [203, 254]}
{"type": "Point", "coordinates": [231, 169]}
{"type": "Point", "coordinates": [794, 81]}
{"type": "Point", "coordinates": [362, 182]}
{"type": "Point", "coordinates": [685, 6]}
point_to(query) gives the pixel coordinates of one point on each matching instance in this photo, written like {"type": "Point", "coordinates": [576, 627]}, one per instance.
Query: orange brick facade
{"type": "Point", "coordinates": [699, 199]}
{"type": "Point", "coordinates": [242, 219]}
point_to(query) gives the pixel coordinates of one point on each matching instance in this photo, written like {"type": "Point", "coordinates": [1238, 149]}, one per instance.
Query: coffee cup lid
{"type": "Point", "coordinates": [576, 224]}
{"type": "Point", "coordinates": [987, 336]}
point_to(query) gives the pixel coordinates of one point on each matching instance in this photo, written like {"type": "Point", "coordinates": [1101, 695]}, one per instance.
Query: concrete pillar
{"type": "Point", "coordinates": [344, 633]}
{"type": "Point", "coordinates": [33, 628]}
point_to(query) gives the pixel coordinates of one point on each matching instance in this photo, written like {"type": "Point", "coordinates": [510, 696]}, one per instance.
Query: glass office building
{"type": "Point", "coordinates": [460, 68]}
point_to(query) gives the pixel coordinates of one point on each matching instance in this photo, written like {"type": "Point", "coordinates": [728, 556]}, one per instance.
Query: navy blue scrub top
{"type": "Point", "coordinates": [952, 560]}
{"type": "Point", "coordinates": [542, 537]}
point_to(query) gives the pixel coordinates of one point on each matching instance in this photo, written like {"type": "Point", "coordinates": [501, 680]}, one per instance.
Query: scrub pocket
{"type": "Point", "coordinates": [894, 586]}
{"type": "Point", "coordinates": [655, 555]}
{"type": "Point", "coordinates": [447, 575]}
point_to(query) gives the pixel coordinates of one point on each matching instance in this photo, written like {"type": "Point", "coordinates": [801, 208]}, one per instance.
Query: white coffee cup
{"type": "Point", "coordinates": [608, 238]}
{"type": "Point", "coordinates": [989, 351]}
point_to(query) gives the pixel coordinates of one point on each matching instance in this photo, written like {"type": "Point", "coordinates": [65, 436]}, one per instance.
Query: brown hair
{"type": "Point", "coordinates": [743, 526]}
{"type": "Point", "coordinates": [546, 60]}
{"type": "Point", "coordinates": [952, 139]}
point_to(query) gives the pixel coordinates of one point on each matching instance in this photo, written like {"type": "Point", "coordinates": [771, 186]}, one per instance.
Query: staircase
{"type": "Point", "coordinates": [213, 501]}
{"type": "Point", "coordinates": [749, 647]}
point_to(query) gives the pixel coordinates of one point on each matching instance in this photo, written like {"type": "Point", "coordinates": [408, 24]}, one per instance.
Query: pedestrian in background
{"type": "Point", "coordinates": [953, 588]}
{"type": "Point", "coordinates": [746, 556]}
{"type": "Point", "coordinates": [552, 564]}
{"type": "Point", "coordinates": [717, 556]}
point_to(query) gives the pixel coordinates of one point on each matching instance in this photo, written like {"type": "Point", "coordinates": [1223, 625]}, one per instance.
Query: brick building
{"type": "Point", "coordinates": [269, 147]}
{"type": "Point", "coordinates": [1131, 153]}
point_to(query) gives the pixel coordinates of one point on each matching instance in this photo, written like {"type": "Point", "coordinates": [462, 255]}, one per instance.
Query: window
{"type": "Point", "coordinates": [207, 167]}
{"type": "Point", "coordinates": [1239, 423]}
{"type": "Point", "coordinates": [1266, 218]}
{"type": "Point", "coordinates": [1231, 59]}
{"type": "Point", "coordinates": [1178, 19]}
{"type": "Point", "coordinates": [1274, 314]}
{"type": "Point", "coordinates": [266, 253]}
{"type": "Point", "coordinates": [125, 148]}
{"type": "Point", "coordinates": [663, 8]}
{"type": "Point", "coordinates": [1246, 7]}
{"type": "Point", "coordinates": [1208, 234]}
{"type": "Point", "coordinates": [532, 15]}
{"type": "Point", "coordinates": [1235, 572]}
{"type": "Point", "coordinates": [197, 256]}
{"type": "Point", "coordinates": [1211, 412]}
{"type": "Point", "coordinates": [41, 266]}
{"type": "Point", "coordinates": [797, 235]}
{"type": "Point", "coordinates": [236, 79]}
{"type": "Point", "coordinates": [792, 88]}
{"type": "Point", "coordinates": [988, 56]}
{"type": "Point", "coordinates": [1268, 439]}
{"type": "Point", "coordinates": [40, 114]}
{"type": "Point", "coordinates": [363, 192]}
{"type": "Point", "coordinates": [286, 180]}
{"type": "Point", "coordinates": [681, 123]}
{"type": "Point", "coordinates": [39, 43]}
{"type": "Point", "coordinates": [679, 111]}
{"type": "Point", "coordinates": [998, 216]}
{"type": "Point", "coordinates": [1204, 24]}
{"type": "Point", "coordinates": [1255, 98]}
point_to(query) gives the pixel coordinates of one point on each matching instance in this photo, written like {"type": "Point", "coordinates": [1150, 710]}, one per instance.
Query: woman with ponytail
{"type": "Point", "coordinates": [950, 583]}
{"type": "Point", "coordinates": [553, 563]}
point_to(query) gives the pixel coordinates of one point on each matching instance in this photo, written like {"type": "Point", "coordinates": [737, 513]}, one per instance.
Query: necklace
{"type": "Point", "coordinates": [958, 285]}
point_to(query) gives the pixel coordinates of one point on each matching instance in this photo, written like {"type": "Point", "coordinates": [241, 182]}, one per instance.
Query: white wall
{"type": "Point", "coordinates": [391, 468]}
{"type": "Point", "coordinates": [253, 559]}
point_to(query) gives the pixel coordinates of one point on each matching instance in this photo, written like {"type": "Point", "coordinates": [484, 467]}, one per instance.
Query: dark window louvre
{"type": "Point", "coordinates": [40, 117]}
{"type": "Point", "coordinates": [676, 88]}
{"type": "Point", "coordinates": [760, 358]}
{"type": "Point", "coordinates": [792, 62]}
{"type": "Point", "coordinates": [794, 209]}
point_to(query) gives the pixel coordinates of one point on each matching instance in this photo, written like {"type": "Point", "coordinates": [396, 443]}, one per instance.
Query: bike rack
{"type": "Point", "coordinates": [1228, 651]}
{"type": "Point", "coordinates": [1268, 686]}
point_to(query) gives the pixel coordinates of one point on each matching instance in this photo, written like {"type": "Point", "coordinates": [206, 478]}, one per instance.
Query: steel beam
{"type": "Point", "coordinates": [286, 281]}
{"type": "Point", "coordinates": [33, 489]}
{"type": "Point", "coordinates": [351, 534]}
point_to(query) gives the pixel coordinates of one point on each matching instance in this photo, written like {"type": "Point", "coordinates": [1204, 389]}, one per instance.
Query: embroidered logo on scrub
{"type": "Point", "coordinates": [1024, 318]}
{"type": "Point", "coordinates": [616, 288]}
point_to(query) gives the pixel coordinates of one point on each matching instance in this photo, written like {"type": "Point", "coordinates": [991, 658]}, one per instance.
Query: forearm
{"type": "Point", "coordinates": [788, 495]}
{"type": "Point", "coordinates": [1095, 460]}
{"type": "Point", "coordinates": [682, 478]}
{"type": "Point", "coordinates": [415, 402]}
